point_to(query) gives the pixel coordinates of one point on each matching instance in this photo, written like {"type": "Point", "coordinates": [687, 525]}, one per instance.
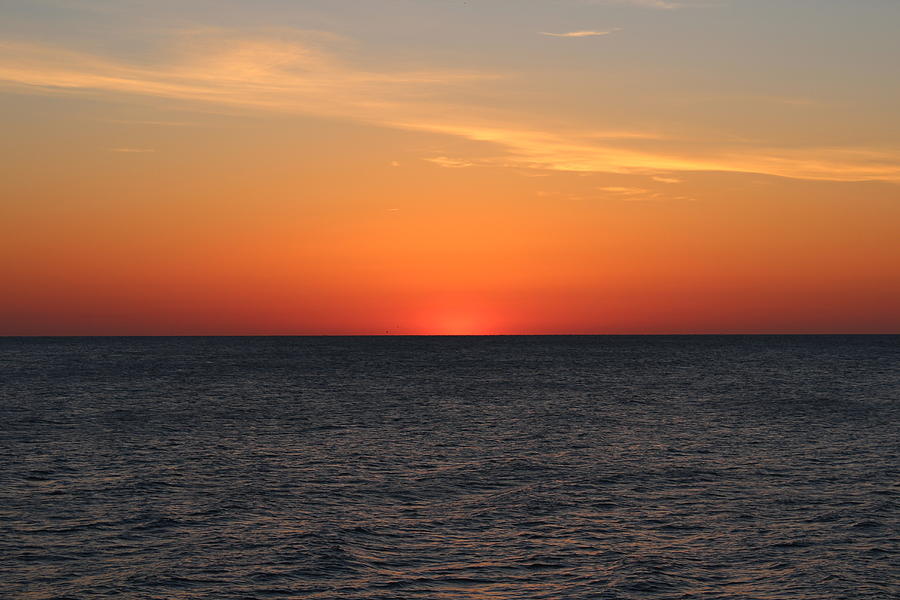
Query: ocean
{"type": "Point", "coordinates": [570, 467]}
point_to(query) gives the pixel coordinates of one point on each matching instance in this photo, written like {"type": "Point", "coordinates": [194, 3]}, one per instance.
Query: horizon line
{"type": "Point", "coordinates": [446, 335]}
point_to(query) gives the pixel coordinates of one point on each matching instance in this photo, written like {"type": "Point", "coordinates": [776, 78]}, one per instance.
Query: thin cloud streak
{"type": "Point", "coordinates": [289, 76]}
{"type": "Point", "coordinates": [253, 73]}
{"type": "Point", "coordinates": [580, 34]}
{"type": "Point", "coordinates": [626, 191]}
{"type": "Point", "coordinates": [152, 123]}
{"type": "Point", "coordinates": [568, 152]}
{"type": "Point", "coordinates": [661, 4]}
{"type": "Point", "coordinates": [450, 163]}
{"type": "Point", "coordinates": [665, 4]}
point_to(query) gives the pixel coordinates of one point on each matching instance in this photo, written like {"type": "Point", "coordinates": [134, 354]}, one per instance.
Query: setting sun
{"type": "Point", "coordinates": [457, 322]}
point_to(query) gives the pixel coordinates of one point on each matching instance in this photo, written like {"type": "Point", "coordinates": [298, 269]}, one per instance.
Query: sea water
{"type": "Point", "coordinates": [450, 467]}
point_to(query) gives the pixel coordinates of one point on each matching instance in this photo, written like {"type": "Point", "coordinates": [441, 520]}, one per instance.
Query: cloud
{"type": "Point", "coordinates": [636, 193]}
{"type": "Point", "coordinates": [656, 3]}
{"type": "Point", "coordinates": [222, 69]}
{"type": "Point", "coordinates": [661, 4]}
{"type": "Point", "coordinates": [450, 163]}
{"type": "Point", "coordinates": [570, 151]}
{"type": "Point", "coordinates": [154, 123]}
{"type": "Point", "coordinates": [662, 179]}
{"type": "Point", "coordinates": [578, 34]}
{"type": "Point", "coordinates": [226, 71]}
{"type": "Point", "coordinates": [624, 191]}
{"type": "Point", "coordinates": [626, 135]}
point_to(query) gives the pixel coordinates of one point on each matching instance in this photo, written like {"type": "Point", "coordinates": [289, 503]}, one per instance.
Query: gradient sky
{"type": "Point", "coordinates": [449, 166]}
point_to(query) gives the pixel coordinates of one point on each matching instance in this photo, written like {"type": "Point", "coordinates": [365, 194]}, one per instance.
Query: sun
{"type": "Point", "coordinates": [461, 320]}
{"type": "Point", "coordinates": [458, 324]}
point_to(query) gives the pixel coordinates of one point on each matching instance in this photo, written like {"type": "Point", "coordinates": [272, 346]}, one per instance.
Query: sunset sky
{"type": "Point", "coordinates": [449, 166]}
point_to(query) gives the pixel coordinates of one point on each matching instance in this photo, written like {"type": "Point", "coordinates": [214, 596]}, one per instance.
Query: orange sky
{"type": "Point", "coordinates": [299, 170]}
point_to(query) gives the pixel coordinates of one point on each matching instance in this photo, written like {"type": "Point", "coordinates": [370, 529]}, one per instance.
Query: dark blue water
{"type": "Point", "coordinates": [506, 467]}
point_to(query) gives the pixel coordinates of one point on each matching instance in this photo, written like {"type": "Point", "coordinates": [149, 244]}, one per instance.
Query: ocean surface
{"type": "Point", "coordinates": [450, 467]}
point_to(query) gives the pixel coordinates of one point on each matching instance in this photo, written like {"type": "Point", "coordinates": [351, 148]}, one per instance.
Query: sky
{"type": "Point", "coordinates": [449, 167]}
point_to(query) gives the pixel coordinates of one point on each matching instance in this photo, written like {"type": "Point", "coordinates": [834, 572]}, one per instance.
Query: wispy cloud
{"type": "Point", "coordinates": [579, 34]}
{"type": "Point", "coordinates": [661, 179]}
{"type": "Point", "coordinates": [664, 4]}
{"type": "Point", "coordinates": [626, 135]}
{"type": "Point", "coordinates": [632, 193]}
{"type": "Point", "coordinates": [569, 151]}
{"type": "Point", "coordinates": [222, 69]}
{"type": "Point", "coordinates": [624, 191]}
{"type": "Point", "coordinates": [226, 71]}
{"type": "Point", "coordinates": [152, 123]}
{"type": "Point", "coordinates": [450, 163]}
{"type": "Point", "coordinates": [637, 193]}
{"type": "Point", "coordinates": [661, 4]}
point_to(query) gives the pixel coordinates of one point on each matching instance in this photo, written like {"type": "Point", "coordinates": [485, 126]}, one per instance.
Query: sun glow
{"type": "Point", "coordinates": [457, 320]}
